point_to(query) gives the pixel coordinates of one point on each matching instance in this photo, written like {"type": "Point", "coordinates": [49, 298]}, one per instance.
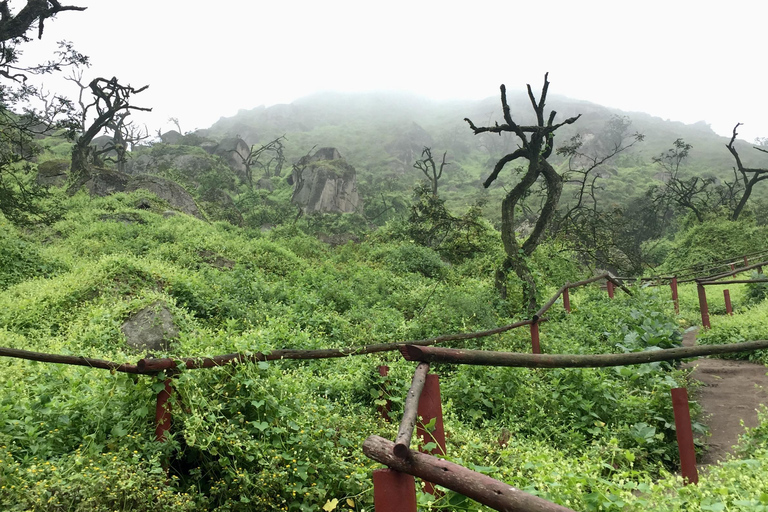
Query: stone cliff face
{"type": "Point", "coordinates": [325, 182]}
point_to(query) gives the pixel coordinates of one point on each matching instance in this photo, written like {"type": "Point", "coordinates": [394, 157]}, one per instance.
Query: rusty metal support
{"type": "Point", "coordinates": [684, 436]}
{"type": "Point", "coordinates": [393, 491]}
{"type": "Point", "coordinates": [609, 286]}
{"type": "Point", "coordinates": [567, 300]}
{"type": "Point", "coordinates": [430, 407]}
{"type": "Point", "coordinates": [535, 346]}
{"type": "Point", "coordinates": [727, 297]}
{"type": "Point", "coordinates": [703, 305]}
{"type": "Point", "coordinates": [163, 410]}
{"type": "Point", "coordinates": [675, 300]}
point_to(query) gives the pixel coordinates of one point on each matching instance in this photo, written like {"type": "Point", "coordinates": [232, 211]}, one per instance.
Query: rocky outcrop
{"type": "Point", "coordinates": [233, 151]}
{"type": "Point", "coordinates": [325, 182]}
{"type": "Point", "coordinates": [53, 173]}
{"type": "Point", "coordinates": [150, 329]}
{"type": "Point", "coordinates": [104, 182]}
{"type": "Point", "coordinates": [167, 190]}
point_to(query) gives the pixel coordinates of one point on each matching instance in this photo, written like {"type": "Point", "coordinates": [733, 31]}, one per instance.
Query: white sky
{"type": "Point", "coordinates": [680, 60]}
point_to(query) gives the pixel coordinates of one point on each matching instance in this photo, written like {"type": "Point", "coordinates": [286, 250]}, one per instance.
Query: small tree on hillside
{"type": "Point", "coordinates": [748, 176]}
{"type": "Point", "coordinates": [268, 157]}
{"type": "Point", "coordinates": [430, 169]}
{"type": "Point", "coordinates": [536, 144]}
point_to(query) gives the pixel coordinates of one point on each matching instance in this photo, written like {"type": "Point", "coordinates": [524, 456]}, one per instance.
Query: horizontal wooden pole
{"type": "Point", "coordinates": [516, 359]}
{"type": "Point", "coordinates": [71, 360]}
{"type": "Point", "coordinates": [402, 444]}
{"type": "Point", "coordinates": [474, 485]}
{"type": "Point", "coordinates": [193, 363]}
{"type": "Point", "coordinates": [733, 281]}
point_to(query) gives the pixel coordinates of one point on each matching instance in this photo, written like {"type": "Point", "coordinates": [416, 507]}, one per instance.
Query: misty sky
{"type": "Point", "coordinates": [681, 60]}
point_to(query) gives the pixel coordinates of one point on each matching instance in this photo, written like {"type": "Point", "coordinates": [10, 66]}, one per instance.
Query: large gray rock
{"type": "Point", "coordinates": [53, 173]}
{"type": "Point", "coordinates": [150, 329]}
{"type": "Point", "coordinates": [233, 151]}
{"type": "Point", "coordinates": [168, 190]}
{"type": "Point", "coordinates": [325, 182]}
{"type": "Point", "coordinates": [104, 182]}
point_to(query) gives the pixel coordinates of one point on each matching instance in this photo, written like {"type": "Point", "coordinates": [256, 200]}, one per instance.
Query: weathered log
{"type": "Point", "coordinates": [474, 485]}
{"type": "Point", "coordinates": [402, 443]}
{"type": "Point", "coordinates": [733, 281]}
{"type": "Point", "coordinates": [618, 283]}
{"type": "Point", "coordinates": [72, 360]}
{"type": "Point", "coordinates": [516, 359]}
{"type": "Point", "coordinates": [192, 363]}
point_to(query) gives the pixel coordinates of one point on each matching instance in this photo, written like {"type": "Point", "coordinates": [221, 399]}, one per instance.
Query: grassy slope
{"type": "Point", "coordinates": [287, 435]}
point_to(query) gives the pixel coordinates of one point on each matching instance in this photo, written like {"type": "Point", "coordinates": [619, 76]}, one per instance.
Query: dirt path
{"type": "Point", "coordinates": [732, 392]}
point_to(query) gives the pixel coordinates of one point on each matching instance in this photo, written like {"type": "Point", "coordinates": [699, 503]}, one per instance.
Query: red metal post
{"type": "Point", "coordinates": [535, 346]}
{"type": "Point", "coordinates": [727, 296]}
{"type": "Point", "coordinates": [684, 436]}
{"type": "Point", "coordinates": [431, 407]}
{"type": "Point", "coordinates": [703, 306]}
{"type": "Point", "coordinates": [609, 285]}
{"type": "Point", "coordinates": [393, 491]}
{"type": "Point", "coordinates": [163, 411]}
{"type": "Point", "coordinates": [675, 300]}
{"type": "Point", "coordinates": [567, 300]}
{"type": "Point", "coordinates": [384, 409]}
{"type": "Point", "coordinates": [733, 266]}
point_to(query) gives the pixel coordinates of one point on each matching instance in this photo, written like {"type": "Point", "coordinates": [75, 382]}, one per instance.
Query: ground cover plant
{"type": "Point", "coordinates": [286, 435]}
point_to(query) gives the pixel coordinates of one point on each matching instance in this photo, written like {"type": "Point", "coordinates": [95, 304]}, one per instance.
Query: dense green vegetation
{"type": "Point", "coordinates": [287, 435]}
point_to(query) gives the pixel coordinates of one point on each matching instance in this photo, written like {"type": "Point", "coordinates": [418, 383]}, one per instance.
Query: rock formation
{"type": "Point", "coordinates": [325, 182]}
{"type": "Point", "coordinates": [150, 329]}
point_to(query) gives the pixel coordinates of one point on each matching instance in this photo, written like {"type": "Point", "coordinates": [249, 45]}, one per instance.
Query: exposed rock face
{"type": "Point", "coordinates": [53, 173]}
{"type": "Point", "coordinates": [233, 151]}
{"type": "Point", "coordinates": [325, 182]}
{"type": "Point", "coordinates": [150, 329]}
{"type": "Point", "coordinates": [168, 190]}
{"type": "Point", "coordinates": [104, 182]}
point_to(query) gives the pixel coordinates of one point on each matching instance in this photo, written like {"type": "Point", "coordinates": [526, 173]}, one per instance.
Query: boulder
{"type": "Point", "coordinates": [104, 182]}
{"type": "Point", "coordinates": [167, 190]}
{"type": "Point", "coordinates": [52, 173]}
{"type": "Point", "coordinates": [150, 329]}
{"type": "Point", "coordinates": [325, 182]}
{"type": "Point", "coordinates": [171, 137]}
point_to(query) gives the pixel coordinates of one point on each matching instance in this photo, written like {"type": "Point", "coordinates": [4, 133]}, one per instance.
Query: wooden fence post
{"type": "Point", "coordinates": [746, 261]}
{"type": "Point", "coordinates": [384, 409]}
{"type": "Point", "coordinates": [675, 299]}
{"type": "Point", "coordinates": [727, 297]}
{"type": "Point", "coordinates": [609, 286]}
{"type": "Point", "coordinates": [703, 305]}
{"type": "Point", "coordinates": [393, 491]}
{"type": "Point", "coordinates": [733, 266]}
{"type": "Point", "coordinates": [535, 346]}
{"type": "Point", "coordinates": [431, 407]}
{"type": "Point", "coordinates": [684, 436]}
{"type": "Point", "coordinates": [567, 300]}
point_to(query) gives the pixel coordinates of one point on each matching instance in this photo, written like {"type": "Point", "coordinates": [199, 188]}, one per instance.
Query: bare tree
{"type": "Point", "coordinates": [748, 176]}
{"type": "Point", "coordinates": [268, 157]}
{"type": "Point", "coordinates": [536, 143]}
{"type": "Point", "coordinates": [110, 99]}
{"type": "Point", "coordinates": [430, 169]}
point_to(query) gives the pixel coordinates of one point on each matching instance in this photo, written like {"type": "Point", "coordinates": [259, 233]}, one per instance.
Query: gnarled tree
{"type": "Point", "coordinates": [749, 176]}
{"type": "Point", "coordinates": [26, 112]}
{"type": "Point", "coordinates": [110, 100]}
{"type": "Point", "coordinates": [536, 143]}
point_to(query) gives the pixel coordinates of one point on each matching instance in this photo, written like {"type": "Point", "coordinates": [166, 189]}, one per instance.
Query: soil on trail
{"type": "Point", "coordinates": [732, 391]}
